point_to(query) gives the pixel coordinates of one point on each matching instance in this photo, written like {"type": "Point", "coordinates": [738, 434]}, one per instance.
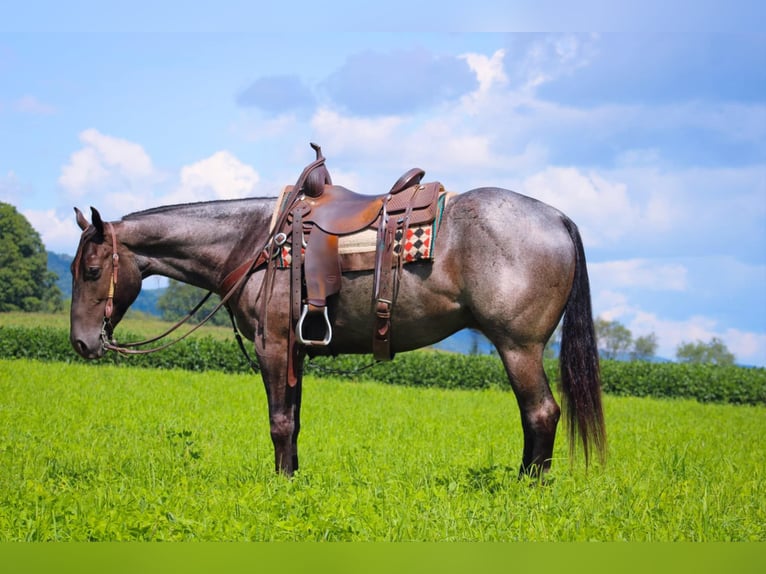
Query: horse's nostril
{"type": "Point", "coordinates": [81, 347]}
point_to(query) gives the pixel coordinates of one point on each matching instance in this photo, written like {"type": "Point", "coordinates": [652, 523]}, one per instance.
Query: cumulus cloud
{"type": "Point", "coordinates": [220, 176]}
{"type": "Point", "coordinates": [749, 347]}
{"type": "Point", "coordinates": [106, 163]}
{"type": "Point", "coordinates": [489, 70]}
{"type": "Point", "coordinates": [603, 209]}
{"type": "Point", "coordinates": [354, 136]}
{"type": "Point", "coordinates": [58, 234]}
{"type": "Point", "coordinates": [118, 176]}
{"type": "Point", "coordinates": [639, 273]}
{"type": "Point", "coordinates": [696, 211]}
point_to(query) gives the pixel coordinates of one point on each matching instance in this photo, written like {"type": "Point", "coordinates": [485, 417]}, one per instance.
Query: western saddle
{"type": "Point", "coordinates": [313, 215]}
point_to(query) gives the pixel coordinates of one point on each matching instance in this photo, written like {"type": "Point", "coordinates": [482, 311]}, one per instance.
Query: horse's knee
{"type": "Point", "coordinates": [282, 427]}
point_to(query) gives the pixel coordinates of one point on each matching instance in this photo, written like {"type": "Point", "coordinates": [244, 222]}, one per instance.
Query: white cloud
{"type": "Point", "coordinates": [94, 171]}
{"type": "Point", "coordinates": [58, 235]}
{"type": "Point", "coordinates": [84, 171]}
{"type": "Point", "coordinates": [601, 208]}
{"type": "Point", "coordinates": [220, 176]}
{"type": "Point", "coordinates": [489, 71]}
{"type": "Point", "coordinates": [748, 347]}
{"type": "Point", "coordinates": [355, 136]}
{"type": "Point", "coordinates": [638, 273]}
{"type": "Point", "coordinates": [106, 163]}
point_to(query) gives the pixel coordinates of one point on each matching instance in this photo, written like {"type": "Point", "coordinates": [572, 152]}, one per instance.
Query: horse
{"type": "Point", "coordinates": [505, 264]}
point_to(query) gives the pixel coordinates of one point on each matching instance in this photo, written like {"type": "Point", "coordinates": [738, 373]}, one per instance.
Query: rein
{"type": "Point", "coordinates": [233, 283]}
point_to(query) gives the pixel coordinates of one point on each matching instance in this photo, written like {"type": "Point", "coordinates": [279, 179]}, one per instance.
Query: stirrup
{"type": "Point", "coordinates": [313, 342]}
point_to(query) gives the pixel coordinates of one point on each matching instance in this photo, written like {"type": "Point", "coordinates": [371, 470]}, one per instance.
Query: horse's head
{"type": "Point", "coordinates": [105, 282]}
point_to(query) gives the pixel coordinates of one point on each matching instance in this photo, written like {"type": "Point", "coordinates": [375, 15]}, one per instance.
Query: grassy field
{"type": "Point", "coordinates": [128, 454]}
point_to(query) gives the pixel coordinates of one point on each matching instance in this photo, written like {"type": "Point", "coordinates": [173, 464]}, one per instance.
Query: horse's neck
{"type": "Point", "coordinates": [196, 246]}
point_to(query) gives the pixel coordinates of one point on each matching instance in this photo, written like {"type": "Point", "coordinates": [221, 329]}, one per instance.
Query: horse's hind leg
{"type": "Point", "coordinates": [539, 411]}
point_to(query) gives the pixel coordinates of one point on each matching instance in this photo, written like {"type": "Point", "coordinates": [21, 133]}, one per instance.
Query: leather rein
{"type": "Point", "coordinates": [231, 284]}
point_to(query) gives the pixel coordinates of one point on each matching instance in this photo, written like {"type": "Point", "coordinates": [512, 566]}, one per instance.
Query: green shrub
{"type": "Point", "coordinates": [703, 382]}
{"type": "Point", "coordinates": [194, 354]}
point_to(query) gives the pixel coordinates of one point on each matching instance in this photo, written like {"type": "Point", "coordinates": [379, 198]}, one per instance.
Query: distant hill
{"type": "Point", "coordinates": [147, 301]}
{"type": "Point", "coordinates": [59, 264]}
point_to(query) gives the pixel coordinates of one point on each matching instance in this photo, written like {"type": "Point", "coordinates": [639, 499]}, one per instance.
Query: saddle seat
{"type": "Point", "coordinates": [340, 211]}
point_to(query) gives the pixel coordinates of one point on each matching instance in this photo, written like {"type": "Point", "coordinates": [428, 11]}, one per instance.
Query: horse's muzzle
{"type": "Point", "coordinates": [88, 351]}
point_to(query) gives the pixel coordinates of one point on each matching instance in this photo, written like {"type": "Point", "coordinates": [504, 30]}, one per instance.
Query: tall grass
{"type": "Point", "coordinates": [128, 454]}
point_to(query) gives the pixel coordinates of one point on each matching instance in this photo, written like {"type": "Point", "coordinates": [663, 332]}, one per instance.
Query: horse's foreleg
{"type": "Point", "coordinates": [539, 411]}
{"type": "Point", "coordinates": [284, 410]}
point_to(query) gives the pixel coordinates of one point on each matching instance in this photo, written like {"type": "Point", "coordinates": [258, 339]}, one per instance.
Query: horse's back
{"type": "Point", "coordinates": [516, 213]}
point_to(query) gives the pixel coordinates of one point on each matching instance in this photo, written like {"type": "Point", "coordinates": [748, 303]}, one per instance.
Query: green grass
{"type": "Point", "coordinates": [127, 454]}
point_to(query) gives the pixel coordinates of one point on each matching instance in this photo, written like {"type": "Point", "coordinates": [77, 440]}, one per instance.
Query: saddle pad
{"type": "Point", "coordinates": [357, 251]}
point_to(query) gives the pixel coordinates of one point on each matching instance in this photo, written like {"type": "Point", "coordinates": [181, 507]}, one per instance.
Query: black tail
{"type": "Point", "coordinates": [578, 362]}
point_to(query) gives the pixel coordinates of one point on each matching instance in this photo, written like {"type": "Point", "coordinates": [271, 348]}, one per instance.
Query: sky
{"type": "Point", "coordinates": [652, 141]}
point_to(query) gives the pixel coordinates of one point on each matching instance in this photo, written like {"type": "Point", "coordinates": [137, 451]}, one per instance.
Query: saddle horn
{"type": "Point", "coordinates": [318, 176]}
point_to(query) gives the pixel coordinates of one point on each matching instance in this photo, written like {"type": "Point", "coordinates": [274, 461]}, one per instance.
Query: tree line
{"type": "Point", "coordinates": [26, 284]}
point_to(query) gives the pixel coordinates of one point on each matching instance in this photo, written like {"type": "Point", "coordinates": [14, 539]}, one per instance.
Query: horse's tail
{"type": "Point", "coordinates": [578, 361]}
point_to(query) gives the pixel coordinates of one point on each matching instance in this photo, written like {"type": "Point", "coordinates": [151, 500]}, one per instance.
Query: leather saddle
{"type": "Point", "coordinates": [315, 213]}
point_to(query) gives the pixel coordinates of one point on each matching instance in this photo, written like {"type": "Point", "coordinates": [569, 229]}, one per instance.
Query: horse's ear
{"type": "Point", "coordinates": [98, 223]}
{"type": "Point", "coordinates": [81, 221]}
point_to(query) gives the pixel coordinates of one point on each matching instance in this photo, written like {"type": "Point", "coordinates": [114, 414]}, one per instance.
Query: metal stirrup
{"type": "Point", "coordinates": [313, 342]}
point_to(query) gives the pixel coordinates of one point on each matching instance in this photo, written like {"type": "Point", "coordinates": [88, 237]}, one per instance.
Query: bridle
{"type": "Point", "coordinates": [232, 283]}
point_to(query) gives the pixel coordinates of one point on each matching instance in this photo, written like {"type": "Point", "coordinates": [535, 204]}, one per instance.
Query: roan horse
{"type": "Point", "coordinates": [530, 272]}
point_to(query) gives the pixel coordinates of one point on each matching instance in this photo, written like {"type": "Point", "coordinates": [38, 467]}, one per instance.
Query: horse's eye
{"type": "Point", "coordinates": [93, 272]}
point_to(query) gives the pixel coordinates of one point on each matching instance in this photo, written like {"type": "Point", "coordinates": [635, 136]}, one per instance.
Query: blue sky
{"type": "Point", "coordinates": [654, 142]}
